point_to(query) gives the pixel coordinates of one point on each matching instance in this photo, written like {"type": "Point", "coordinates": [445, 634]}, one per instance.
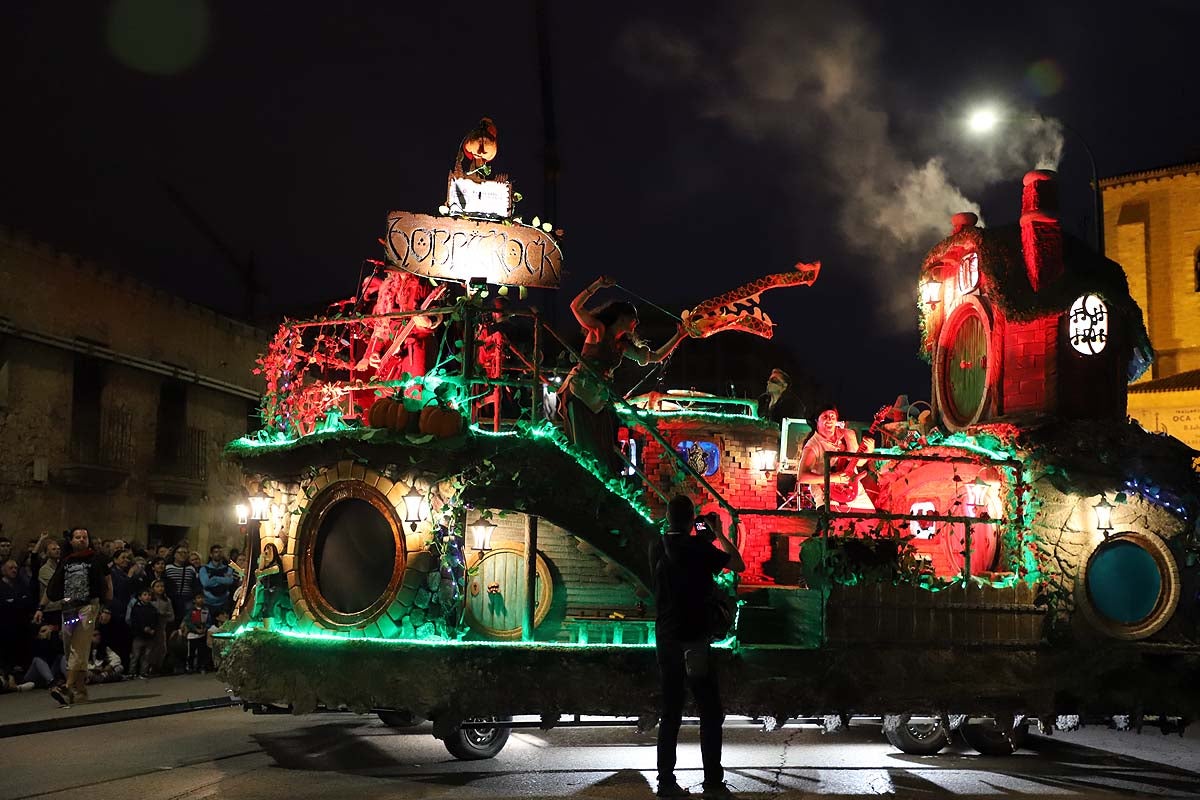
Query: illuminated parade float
{"type": "Point", "coordinates": [434, 546]}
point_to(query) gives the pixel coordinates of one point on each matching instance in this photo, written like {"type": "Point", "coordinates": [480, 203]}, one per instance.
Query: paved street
{"type": "Point", "coordinates": [229, 753]}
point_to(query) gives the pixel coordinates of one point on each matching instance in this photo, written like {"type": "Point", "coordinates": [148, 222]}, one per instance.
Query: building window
{"type": "Point", "coordinates": [1196, 270]}
{"type": "Point", "coordinates": [172, 420]}
{"type": "Point", "coordinates": [1088, 324]}
{"type": "Point", "coordinates": [968, 273]}
{"type": "Point", "coordinates": [87, 385]}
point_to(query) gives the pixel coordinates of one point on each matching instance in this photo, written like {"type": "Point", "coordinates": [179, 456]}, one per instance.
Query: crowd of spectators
{"type": "Point", "coordinates": [154, 614]}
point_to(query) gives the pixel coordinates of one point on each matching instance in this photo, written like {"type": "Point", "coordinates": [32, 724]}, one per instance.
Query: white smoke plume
{"type": "Point", "coordinates": [803, 79]}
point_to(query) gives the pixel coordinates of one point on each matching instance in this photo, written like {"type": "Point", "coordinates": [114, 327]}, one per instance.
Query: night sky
{"type": "Point", "coordinates": [701, 145]}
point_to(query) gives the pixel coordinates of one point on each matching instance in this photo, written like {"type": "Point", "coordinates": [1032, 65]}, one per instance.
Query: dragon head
{"type": "Point", "coordinates": [738, 309]}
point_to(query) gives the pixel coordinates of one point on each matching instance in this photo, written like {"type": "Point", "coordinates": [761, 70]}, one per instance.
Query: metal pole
{"type": "Point", "coordinates": [535, 389]}
{"type": "Point", "coordinates": [527, 622]}
{"type": "Point", "coordinates": [967, 558]}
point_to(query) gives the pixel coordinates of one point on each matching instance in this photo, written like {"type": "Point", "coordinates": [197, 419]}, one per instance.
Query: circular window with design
{"type": "Point", "coordinates": [353, 554]}
{"type": "Point", "coordinates": [1130, 586]}
{"type": "Point", "coordinates": [961, 365]}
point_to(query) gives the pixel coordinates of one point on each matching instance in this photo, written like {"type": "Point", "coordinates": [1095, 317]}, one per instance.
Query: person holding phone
{"type": "Point", "coordinates": [684, 563]}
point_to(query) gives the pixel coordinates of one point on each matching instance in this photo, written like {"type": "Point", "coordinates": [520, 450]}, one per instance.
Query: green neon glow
{"type": "Point", "coordinates": [340, 639]}
{"type": "Point", "coordinates": [548, 430]}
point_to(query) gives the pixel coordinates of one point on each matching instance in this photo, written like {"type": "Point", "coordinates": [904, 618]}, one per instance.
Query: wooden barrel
{"type": "Point", "coordinates": [496, 594]}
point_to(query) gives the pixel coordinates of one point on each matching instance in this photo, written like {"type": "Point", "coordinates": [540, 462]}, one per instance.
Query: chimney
{"type": "Point", "coordinates": [1041, 230]}
{"type": "Point", "coordinates": [962, 220]}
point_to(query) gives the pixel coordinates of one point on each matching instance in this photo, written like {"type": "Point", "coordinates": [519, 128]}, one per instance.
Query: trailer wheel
{"type": "Point", "coordinates": [990, 740]}
{"type": "Point", "coordinates": [473, 744]}
{"type": "Point", "coordinates": [915, 738]}
{"type": "Point", "coordinates": [399, 719]}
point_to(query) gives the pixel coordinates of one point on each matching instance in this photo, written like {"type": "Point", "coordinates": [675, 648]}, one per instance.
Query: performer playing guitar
{"type": "Point", "coordinates": [832, 435]}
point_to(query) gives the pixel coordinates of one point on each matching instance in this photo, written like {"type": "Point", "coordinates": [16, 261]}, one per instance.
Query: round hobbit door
{"type": "Point", "coordinates": [496, 594]}
{"type": "Point", "coordinates": [1131, 586]}
{"type": "Point", "coordinates": [961, 368]}
{"type": "Point", "coordinates": [353, 554]}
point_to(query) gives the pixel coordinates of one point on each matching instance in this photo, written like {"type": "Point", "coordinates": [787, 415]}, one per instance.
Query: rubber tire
{"type": "Point", "coordinates": [908, 741]}
{"type": "Point", "coordinates": [472, 746]}
{"type": "Point", "coordinates": [399, 719]}
{"type": "Point", "coordinates": [991, 741]}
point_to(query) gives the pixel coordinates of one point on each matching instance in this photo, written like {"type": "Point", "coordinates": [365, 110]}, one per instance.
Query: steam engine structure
{"type": "Point", "coordinates": [445, 553]}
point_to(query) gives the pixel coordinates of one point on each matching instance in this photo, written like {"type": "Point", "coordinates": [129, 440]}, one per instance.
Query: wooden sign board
{"type": "Point", "coordinates": [458, 249]}
{"type": "Point", "coordinates": [469, 196]}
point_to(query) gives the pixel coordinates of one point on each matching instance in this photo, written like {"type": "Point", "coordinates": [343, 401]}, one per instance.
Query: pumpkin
{"type": "Point", "coordinates": [388, 413]}
{"type": "Point", "coordinates": [377, 414]}
{"type": "Point", "coordinates": [397, 417]}
{"type": "Point", "coordinates": [440, 422]}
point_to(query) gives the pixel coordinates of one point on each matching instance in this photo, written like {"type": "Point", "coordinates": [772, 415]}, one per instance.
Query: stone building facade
{"type": "Point", "coordinates": [116, 400]}
{"type": "Point", "coordinates": [1152, 228]}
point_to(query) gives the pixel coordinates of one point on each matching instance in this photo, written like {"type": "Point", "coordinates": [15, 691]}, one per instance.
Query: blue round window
{"type": "Point", "coordinates": [1124, 582]}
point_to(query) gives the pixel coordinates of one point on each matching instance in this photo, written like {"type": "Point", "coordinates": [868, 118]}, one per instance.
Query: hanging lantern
{"type": "Point", "coordinates": [764, 460]}
{"type": "Point", "coordinates": [259, 506]}
{"type": "Point", "coordinates": [1104, 516]}
{"type": "Point", "coordinates": [414, 508]}
{"type": "Point", "coordinates": [931, 293]}
{"type": "Point", "coordinates": [243, 513]}
{"type": "Point", "coordinates": [481, 534]}
{"type": "Point", "coordinates": [977, 496]}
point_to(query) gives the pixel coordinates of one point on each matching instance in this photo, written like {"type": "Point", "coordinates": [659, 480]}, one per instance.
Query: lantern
{"type": "Point", "coordinates": [764, 460]}
{"type": "Point", "coordinates": [481, 534]}
{"type": "Point", "coordinates": [259, 506]}
{"type": "Point", "coordinates": [243, 513]}
{"type": "Point", "coordinates": [977, 496]}
{"type": "Point", "coordinates": [931, 293]}
{"type": "Point", "coordinates": [414, 508]}
{"type": "Point", "coordinates": [1104, 516]}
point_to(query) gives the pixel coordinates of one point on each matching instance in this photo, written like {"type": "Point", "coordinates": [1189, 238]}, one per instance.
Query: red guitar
{"type": "Point", "coordinates": [847, 492]}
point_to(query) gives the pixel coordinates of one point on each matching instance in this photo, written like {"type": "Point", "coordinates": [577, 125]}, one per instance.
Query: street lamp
{"type": "Point", "coordinates": [984, 120]}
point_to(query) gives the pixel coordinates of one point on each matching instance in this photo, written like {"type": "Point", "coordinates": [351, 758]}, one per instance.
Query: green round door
{"type": "Point", "coordinates": [964, 368]}
{"type": "Point", "coordinates": [496, 594]}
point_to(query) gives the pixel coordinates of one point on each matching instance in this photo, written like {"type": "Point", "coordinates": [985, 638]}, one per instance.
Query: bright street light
{"type": "Point", "coordinates": [983, 120]}
{"type": "Point", "coordinates": [986, 119]}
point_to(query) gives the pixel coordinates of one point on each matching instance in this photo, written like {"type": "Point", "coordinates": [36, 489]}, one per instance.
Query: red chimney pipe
{"type": "Point", "coordinates": [962, 220]}
{"type": "Point", "coordinates": [1041, 230]}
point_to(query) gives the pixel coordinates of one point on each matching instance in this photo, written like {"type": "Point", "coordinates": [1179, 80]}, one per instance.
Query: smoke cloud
{"type": "Point", "coordinates": [804, 80]}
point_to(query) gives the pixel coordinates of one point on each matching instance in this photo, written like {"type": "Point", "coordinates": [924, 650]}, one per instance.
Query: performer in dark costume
{"type": "Point", "coordinates": [610, 335]}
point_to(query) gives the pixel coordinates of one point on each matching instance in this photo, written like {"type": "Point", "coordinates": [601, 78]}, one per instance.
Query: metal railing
{"type": "Point", "coordinates": [110, 445]}
{"type": "Point", "coordinates": [186, 456]}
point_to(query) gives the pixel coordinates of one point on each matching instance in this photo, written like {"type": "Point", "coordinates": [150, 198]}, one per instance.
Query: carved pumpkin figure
{"type": "Point", "coordinates": [479, 145]}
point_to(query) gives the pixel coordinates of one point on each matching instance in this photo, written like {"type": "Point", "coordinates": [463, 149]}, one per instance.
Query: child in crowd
{"type": "Point", "coordinates": [48, 667]}
{"type": "Point", "coordinates": [143, 623]}
{"type": "Point", "coordinates": [166, 617]}
{"type": "Point", "coordinates": [104, 663]}
{"type": "Point", "coordinates": [196, 623]}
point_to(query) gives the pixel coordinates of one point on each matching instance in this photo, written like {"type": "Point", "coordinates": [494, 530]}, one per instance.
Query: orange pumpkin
{"type": "Point", "coordinates": [397, 416]}
{"type": "Point", "coordinates": [377, 415]}
{"type": "Point", "coordinates": [440, 422]}
{"type": "Point", "coordinates": [388, 413]}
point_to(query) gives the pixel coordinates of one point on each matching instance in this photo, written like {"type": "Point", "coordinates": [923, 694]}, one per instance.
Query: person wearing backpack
{"type": "Point", "coordinates": [684, 563]}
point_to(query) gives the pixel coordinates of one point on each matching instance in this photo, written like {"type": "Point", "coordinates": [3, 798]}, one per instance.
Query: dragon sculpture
{"type": "Point", "coordinates": [738, 309]}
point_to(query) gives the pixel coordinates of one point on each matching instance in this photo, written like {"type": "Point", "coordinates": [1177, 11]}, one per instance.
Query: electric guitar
{"type": "Point", "coordinates": [847, 492]}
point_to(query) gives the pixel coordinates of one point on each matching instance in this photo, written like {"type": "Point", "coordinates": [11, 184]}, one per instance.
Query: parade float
{"type": "Point", "coordinates": [435, 548]}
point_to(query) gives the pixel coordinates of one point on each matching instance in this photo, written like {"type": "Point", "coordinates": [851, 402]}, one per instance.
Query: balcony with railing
{"type": "Point", "coordinates": [100, 455]}
{"type": "Point", "coordinates": [180, 462]}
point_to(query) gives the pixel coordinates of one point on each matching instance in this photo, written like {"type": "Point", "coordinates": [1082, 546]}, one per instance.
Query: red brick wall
{"type": "Point", "coordinates": [742, 486]}
{"type": "Point", "coordinates": [1029, 380]}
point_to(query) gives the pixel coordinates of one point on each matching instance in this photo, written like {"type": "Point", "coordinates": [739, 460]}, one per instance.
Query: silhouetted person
{"type": "Point", "coordinates": [684, 562]}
